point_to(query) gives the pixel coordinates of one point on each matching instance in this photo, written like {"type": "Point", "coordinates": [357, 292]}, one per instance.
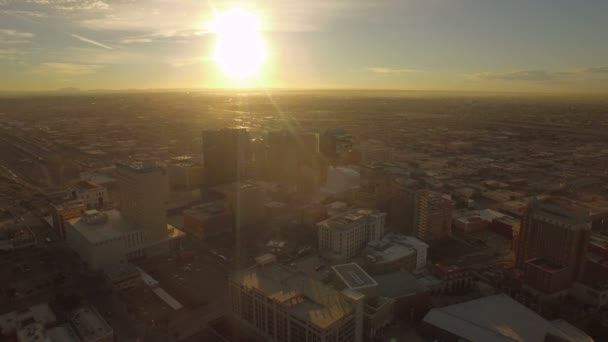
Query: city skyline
{"type": "Point", "coordinates": [517, 46]}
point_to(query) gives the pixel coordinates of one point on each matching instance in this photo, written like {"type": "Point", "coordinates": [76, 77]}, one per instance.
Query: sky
{"type": "Point", "coordinates": [558, 46]}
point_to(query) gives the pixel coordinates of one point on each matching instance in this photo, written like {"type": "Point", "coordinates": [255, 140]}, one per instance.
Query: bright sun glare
{"type": "Point", "coordinates": [240, 50]}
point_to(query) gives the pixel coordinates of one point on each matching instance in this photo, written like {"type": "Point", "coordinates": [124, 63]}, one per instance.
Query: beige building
{"type": "Point", "coordinates": [344, 236]}
{"type": "Point", "coordinates": [138, 230]}
{"type": "Point", "coordinates": [184, 173]}
{"type": "Point", "coordinates": [92, 195]}
{"type": "Point", "coordinates": [282, 304]}
{"type": "Point", "coordinates": [433, 216]}
{"type": "Point", "coordinates": [64, 212]}
{"type": "Point", "coordinates": [552, 245]}
{"type": "Point", "coordinates": [144, 191]}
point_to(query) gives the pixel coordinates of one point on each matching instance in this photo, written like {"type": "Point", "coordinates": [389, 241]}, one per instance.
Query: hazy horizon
{"type": "Point", "coordinates": [414, 45]}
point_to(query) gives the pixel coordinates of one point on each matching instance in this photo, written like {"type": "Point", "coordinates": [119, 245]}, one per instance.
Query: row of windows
{"type": "Point", "coordinates": [133, 240]}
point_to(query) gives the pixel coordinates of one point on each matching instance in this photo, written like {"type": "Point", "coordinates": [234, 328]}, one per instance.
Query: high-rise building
{"type": "Point", "coordinates": [284, 305]}
{"type": "Point", "coordinates": [184, 173]}
{"type": "Point", "coordinates": [144, 190]}
{"type": "Point", "coordinates": [433, 215]}
{"type": "Point", "coordinates": [344, 236]}
{"type": "Point", "coordinates": [245, 200]}
{"type": "Point", "coordinates": [402, 210]}
{"type": "Point", "coordinates": [294, 160]}
{"type": "Point", "coordinates": [225, 152]}
{"type": "Point", "coordinates": [552, 244]}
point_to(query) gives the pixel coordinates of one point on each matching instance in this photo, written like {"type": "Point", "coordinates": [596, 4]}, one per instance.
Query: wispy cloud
{"type": "Point", "coordinates": [8, 36]}
{"type": "Point", "coordinates": [91, 41]}
{"type": "Point", "coordinates": [595, 70]}
{"type": "Point", "coordinates": [72, 69]}
{"type": "Point", "coordinates": [542, 75]}
{"type": "Point", "coordinates": [9, 53]}
{"type": "Point", "coordinates": [521, 75]}
{"type": "Point", "coordinates": [385, 70]}
{"type": "Point", "coordinates": [72, 5]}
{"type": "Point", "coordinates": [135, 40]}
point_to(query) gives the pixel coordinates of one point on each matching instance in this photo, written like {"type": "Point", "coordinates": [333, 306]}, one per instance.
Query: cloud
{"type": "Point", "coordinates": [543, 75]}
{"type": "Point", "coordinates": [522, 75]}
{"type": "Point", "coordinates": [72, 69]}
{"type": "Point", "coordinates": [8, 36]}
{"type": "Point", "coordinates": [9, 53]}
{"type": "Point", "coordinates": [595, 70]}
{"type": "Point", "coordinates": [135, 40]}
{"type": "Point", "coordinates": [71, 5]}
{"type": "Point", "coordinates": [23, 13]}
{"type": "Point", "coordinates": [91, 41]}
{"type": "Point", "coordinates": [385, 70]}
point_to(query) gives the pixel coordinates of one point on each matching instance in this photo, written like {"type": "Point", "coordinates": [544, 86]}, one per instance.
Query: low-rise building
{"type": "Point", "coordinates": [90, 326]}
{"type": "Point", "coordinates": [123, 276]}
{"type": "Point", "coordinates": [496, 318]}
{"type": "Point", "coordinates": [209, 219]}
{"type": "Point", "coordinates": [344, 236]}
{"type": "Point", "coordinates": [378, 309]}
{"type": "Point", "coordinates": [106, 238]}
{"type": "Point", "coordinates": [474, 220]}
{"type": "Point", "coordinates": [411, 297]}
{"type": "Point", "coordinates": [92, 195]}
{"type": "Point", "coordinates": [282, 304]}
{"type": "Point", "coordinates": [395, 252]}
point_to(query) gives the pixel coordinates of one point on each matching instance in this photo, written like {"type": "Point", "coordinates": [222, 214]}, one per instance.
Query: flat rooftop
{"type": "Point", "coordinates": [394, 247]}
{"type": "Point", "coordinates": [354, 276]}
{"type": "Point", "coordinates": [112, 228]}
{"type": "Point", "coordinates": [499, 318]}
{"type": "Point", "coordinates": [89, 324]}
{"type": "Point", "coordinates": [307, 299]}
{"type": "Point", "coordinates": [399, 284]}
{"type": "Point", "coordinates": [346, 220]}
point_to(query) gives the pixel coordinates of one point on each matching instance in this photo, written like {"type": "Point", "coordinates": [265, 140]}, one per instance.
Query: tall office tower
{"type": "Point", "coordinates": [225, 152]}
{"type": "Point", "coordinates": [433, 215]}
{"type": "Point", "coordinates": [284, 305]}
{"type": "Point", "coordinates": [245, 201]}
{"type": "Point", "coordinates": [552, 244]}
{"type": "Point", "coordinates": [294, 160]}
{"type": "Point", "coordinates": [144, 189]}
{"type": "Point", "coordinates": [402, 211]}
{"type": "Point", "coordinates": [344, 236]}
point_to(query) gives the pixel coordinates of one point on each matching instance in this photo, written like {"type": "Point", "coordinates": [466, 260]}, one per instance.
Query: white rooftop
{"type": "Point", "coordinates": [167, 298]}
{"type": "Point", "coordinates": [498, 318]}
{"type": "Point", "coordinates": [114, 227]}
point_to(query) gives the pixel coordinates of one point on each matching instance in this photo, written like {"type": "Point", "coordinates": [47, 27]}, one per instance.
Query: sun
{"type": "Point", "coordinates": [239, 50]}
